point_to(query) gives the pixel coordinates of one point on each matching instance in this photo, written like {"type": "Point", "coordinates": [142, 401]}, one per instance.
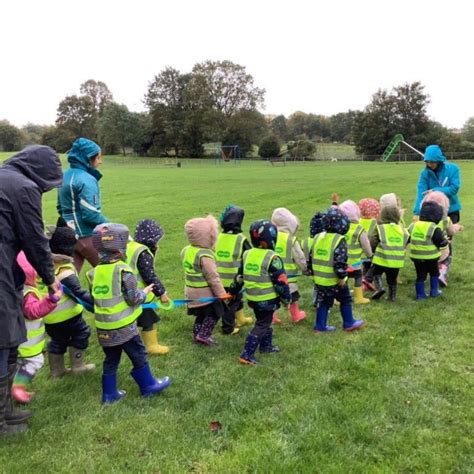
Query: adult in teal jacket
{"type": "Point", "coordinates": [79, 198]}
{"type": "Point", "coordinates": [439, 175]}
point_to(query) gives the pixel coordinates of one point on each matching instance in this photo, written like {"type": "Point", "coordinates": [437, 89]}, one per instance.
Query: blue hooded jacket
{"type": "Point", "coordinates": [79, 197]}
{"type": "Point", "coordinates": [445, 179]}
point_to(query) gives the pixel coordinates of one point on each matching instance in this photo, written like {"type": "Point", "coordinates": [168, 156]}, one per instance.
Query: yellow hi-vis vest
{"type": "Point", "coordinates": [228, 256]}
{"type": "Point", "coordinates": [421, 245]}
{"type": "Point", "coordinates": [390, 251]}
{"type": "Point", "coordinates": [258, 285]}
{"type": "Point", "coordinates": [110, 308]}
{"type": "Point", "coordinates": [444, 223]}
{"type": "Point", "coordinates": [354, 250]}
{"type": "Point", "coordinates": [283, 248]}
{"type": "Point", "coordinates": [191, 256]}
{"type": "Point", "coordinates": [322, 261]}
{"type": "Point", "coordinates": [67, 308]}
{"type": "Point", "coordinates": [368, 224]}
{"type": "Point", "coordinates": [306, 245]}
{"type": "Point", "coordinates": [134, 250]}
{"type": "Point", "coordinates": [35, 334]}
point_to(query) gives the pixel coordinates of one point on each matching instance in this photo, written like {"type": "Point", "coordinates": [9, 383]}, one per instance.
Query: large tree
{"type": "Point", "coordinates": [11, 137]}
{"type": "Point", "coordinates": [468, 130]}
{"type": "Point", "coordinates": [77, 115]}
{"type": "Point", "coordinates": [99, 94]}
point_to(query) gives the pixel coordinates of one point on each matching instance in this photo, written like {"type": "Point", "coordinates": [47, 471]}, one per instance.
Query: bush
{"type": "Point", "coordinates": [270, 147]}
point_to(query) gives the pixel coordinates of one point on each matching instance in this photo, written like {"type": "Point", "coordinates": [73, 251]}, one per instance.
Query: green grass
{"type": "Point", "coordinates": [394, 397]}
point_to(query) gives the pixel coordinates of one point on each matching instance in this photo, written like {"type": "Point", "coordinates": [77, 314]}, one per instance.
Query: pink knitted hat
{"type": "Point", "coordinates": [369, 208]}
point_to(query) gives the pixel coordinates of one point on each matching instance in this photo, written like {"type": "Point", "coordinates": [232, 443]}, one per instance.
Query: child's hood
{"type": "Point", "coordinates": [389, 200]}
{"type": "Point", "coordinates": [439, 198]}
{"type": "Point", "coordinates": [30, 272]}
{"type": "Point", "coordinates": [232, 218]}
{"type": "Point", "coordinates": [285, 220]}
{"type": "Point", "coordinates": [202, 232]}
{"type": "Point", "coordinates": [351, 210]}
{"type": "Point", "coordinates": [390, 215]}
{"type": "Point", "coordinates": [148, 232]}
{"type": "Point", "coordinates": [431, 212]}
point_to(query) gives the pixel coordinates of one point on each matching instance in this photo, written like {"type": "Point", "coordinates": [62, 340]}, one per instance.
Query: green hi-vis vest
{"type": "Point", "coordinates": [390, 251]}
{"type": "Point", "coordinates": [67, 308]}
{"type": "Point", "coordinates": [444, 223]}
{"type": "Point", "coordinates": [110, 308]}
{"type": "Point", "coordinates": [354, 250]}
{"type": "Point", "coordinates": [258, 285]}
{"type": "Point", "coordinates": [134, 250]}
{"type": "Point", "coordinates": [35, 333]}
{"type": "Point", "coordinates": [283, 248]}
{"type": "Point", "coordinates": [421, 245]}
{"type": "Point", "coordinates": [228, 256]}
{"type": "Point", "coordinates": [322, 261]}
{"type": "Point", "coordinates": [368, 224]}
{"type": "Point", "coordinates": [306, 245]}
{"type": "Point", "coordinates": [191, 257]}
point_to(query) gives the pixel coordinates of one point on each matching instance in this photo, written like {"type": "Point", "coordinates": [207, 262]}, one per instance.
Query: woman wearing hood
{"type": "Point", "coordinates": [79, 198]}
{"type": "Point", "coordinates": [438, 175]}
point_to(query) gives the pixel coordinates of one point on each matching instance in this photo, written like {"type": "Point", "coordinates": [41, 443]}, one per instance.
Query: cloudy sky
{"type": "Point", "coordinates": [316, 56]}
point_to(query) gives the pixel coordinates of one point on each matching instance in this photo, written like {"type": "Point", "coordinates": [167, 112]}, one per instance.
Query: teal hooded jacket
{"type": "Point", "coordinates": [445, 179]}
{"type": "Point", "coordinates": [79, 197]}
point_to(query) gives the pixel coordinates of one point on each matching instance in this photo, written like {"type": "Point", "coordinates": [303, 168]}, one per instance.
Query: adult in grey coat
{"type": "Point", "coordinates": [23, 179]}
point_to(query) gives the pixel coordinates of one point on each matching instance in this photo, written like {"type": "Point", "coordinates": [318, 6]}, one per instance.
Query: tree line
{"type": "Point", "coordinates": [217, 101]}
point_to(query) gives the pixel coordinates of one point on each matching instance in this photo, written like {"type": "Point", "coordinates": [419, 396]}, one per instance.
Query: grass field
{"type": "Point", "coordinates": [394, 397]}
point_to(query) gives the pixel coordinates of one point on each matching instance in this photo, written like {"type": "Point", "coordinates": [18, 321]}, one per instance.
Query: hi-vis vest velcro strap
{"type": "Point", "coordinates": [228, 256]}
{"type": "Point", "coordinates": [421, 244]}
{"type": "Point", "coordinates": [390, 251]}
{"type": "Point", "coordinates": [354, 249]}
{"type": "Point", "coordinates": [322, 261]}
{"type": "Point", "coordinates": [284, 248]}
{"type": "Point", "coordinates": [110, 308]}
{"type": "Point", "coordinates": [35, 333]}
{"type": "Point", "coordinates": [193, 276]}
{"type": "Point", "coordinates": [257, 281]}
{"type": "Point", "coordinates": [134, 250]}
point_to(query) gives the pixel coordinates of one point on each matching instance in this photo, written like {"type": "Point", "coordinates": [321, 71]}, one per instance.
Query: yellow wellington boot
{"type": "Point", "coordinates": [241, 319]}
{"type": "Point", "coordinates": [359, 296]}
{"type": "Point", "coordinates": [150, 339]}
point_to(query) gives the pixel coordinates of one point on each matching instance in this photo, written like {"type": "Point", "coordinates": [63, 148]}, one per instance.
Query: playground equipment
{"type": "Point", "coordinates": [227, 153]}
{"type": "Point", "coordinates": [394, 144]}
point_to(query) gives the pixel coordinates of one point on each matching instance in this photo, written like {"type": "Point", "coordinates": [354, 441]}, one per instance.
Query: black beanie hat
{"type": "Point", "coordinates": [62, 241]}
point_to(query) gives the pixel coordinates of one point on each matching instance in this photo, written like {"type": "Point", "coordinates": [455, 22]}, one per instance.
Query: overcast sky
{"type": "Point", "coordinates": [315, 56]}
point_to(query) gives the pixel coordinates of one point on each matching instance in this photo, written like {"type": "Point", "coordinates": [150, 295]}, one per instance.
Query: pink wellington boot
{"type": "Point", "coordinates": [296, 314]}
{"type": "Point", "coordinates": [21, 395]}
{"type": "Point", "coordinates": [276, 319]}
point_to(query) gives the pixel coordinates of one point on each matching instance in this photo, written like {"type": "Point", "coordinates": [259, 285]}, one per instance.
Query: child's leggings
{"type": "Point", "coordinates": [28, 367]}
{"type": "Point", "coordinates": [390, 273]}
{"type": "Point", "coordinates": [263, 322]}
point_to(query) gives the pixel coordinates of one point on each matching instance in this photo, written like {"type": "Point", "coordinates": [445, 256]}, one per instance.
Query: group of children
{"type": "Point", "coordinates": [347, 241]}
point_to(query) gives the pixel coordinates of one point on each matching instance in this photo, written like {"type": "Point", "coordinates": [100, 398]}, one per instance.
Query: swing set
{"type": "Point", "coordinates": [227, 153]}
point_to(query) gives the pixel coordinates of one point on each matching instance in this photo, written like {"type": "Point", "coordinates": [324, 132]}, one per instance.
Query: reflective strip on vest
{"type": "Point", "coordinates": [283, 248]}
{"type": "Point", "coordinates": [354, 249]}
{"type": "Point", "coordinates": [134, 250]}
{"type": "Point", "coordinates": [322, 261]}
{"type": "Point", "coordinates": [306, 245]}
{"type": "Point", "coordinates": [390, 251]}
{"type": "Point", "coordinates": [228, 256]}
{"type": "Point", "coordinates": [35, 332]}
{"type": "Point", "coordinates": [421, 244]}
{"type": "Point", "coordinates": [368, 225]}
{"type": "Point", "coordinates": [257, 281]}
{"type": "Point", "coordinates": [193, 276]}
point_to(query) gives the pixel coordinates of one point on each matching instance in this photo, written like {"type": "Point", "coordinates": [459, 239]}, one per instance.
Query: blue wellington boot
{"type": "Point", "coordinates": [266, 343]}
{"type": "Point", "coordinates": [348, 322]}
{"type": "Point", "coordinates": [321, 323]}
{"type": "Point", "coordinates": [420, 290]}
{"type": "Point", "coordinates": [110, 394]}
{"type": "Point", "coordinates": [434, 287]}
{"type": "Point", "coordinates": [248, 354]}
{"type": "Point", "coordinates": [148, 384]}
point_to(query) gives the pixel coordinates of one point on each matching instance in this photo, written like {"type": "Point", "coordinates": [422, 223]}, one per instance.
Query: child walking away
{"type": "Point", "coordinates": [294, 261]}
{"type": "Point", "coordinates": [141, 258]}
{"type": "Point", "coordinates": [357, 243]}
{"type": "Point", "coordinates": [201, 278]}
{"type": "Point", "coordinates": [65, 324]}
{"type": "Point", "coordinates": [388, 240]}
{"type": "Point", "coordinates": [263, 274]}
{"type": "Point", "coordinates": [329, 264]}
{"type": "Point", "coordinates": [426, 242]}
{"type": "Point", "coordinates": [30, 353]}
{"type": "Point", "coordinates": [230, 246]}
{"type": "Point", "coordinates": [117, 301]}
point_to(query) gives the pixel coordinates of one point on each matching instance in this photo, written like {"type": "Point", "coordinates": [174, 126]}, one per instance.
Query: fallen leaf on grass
{"type": "Point", "coordinates": [215, 426]}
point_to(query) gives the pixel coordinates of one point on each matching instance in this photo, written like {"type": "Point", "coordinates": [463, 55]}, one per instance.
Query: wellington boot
{"type": "Point", "coordinates": [110, 392]}
{"type": "Point", "coordinates": [12, 415]}
{"type": "Point", "coordinates": [21, 395]}
{"type": "Point", "coordinates": [78, 366]}
{"type": "Point", "coordinates": [392, 292]}
{"type": "Point", "coordinates": [247, 357]}
{"type": "Point", "coordinates": [276, 319]}
{"type": "Point", "coordinates": [379, 288]}
{"type": "Point", "coordinates": [56, 365]}
{"type": "Point", "coordinates": [241, 319]}
{"type": "Point", "coordinates": [296, 314]}
{"type": "Point", "coordinates": [150, 338]}
{"type": "Point", "coordinates": [6, 428]}
{"type": "Point", "coordinates": [148, 384]}
{"type": "Point", "coordinates": [359, 296]}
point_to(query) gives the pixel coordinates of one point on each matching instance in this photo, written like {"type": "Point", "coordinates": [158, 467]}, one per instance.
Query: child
{"type": "Point", "coordinates": [263, 274]}
{"type": "Point", "coordinates": [30, 353]}
{"type": "Point", "coordinates": [65, 324]}
{"type": "Point", "coordinates": [141, 258]}
{"type": "Point", "coordinates": [357, 243]}
{"type": "Point", "coordinates": [392, 200]}
{"type": "Point", "coordinates": [201, 277]}
{"type": "Point", "coordinates": [289, 250]}
{"type": "Point", "coordinates": [426, 242]}
{"type": "Point", "coordinates": [369, 211]}
{"type": "Point", "coordinates": [388, 240]}
{"type": "Point", "coordinates": [329, 264]}
{"type": "Point", "coordinates": [230, 246]}
{"type": "Point", "coordinates": [316, 226]}
{"type": "Point", "coordinates": [117, 301]}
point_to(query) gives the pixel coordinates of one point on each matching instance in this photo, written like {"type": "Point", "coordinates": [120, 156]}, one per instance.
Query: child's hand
{"type": "Point", "coordinates": [164, 299]}
{"type": "Point", "coordinates": [148, 289]}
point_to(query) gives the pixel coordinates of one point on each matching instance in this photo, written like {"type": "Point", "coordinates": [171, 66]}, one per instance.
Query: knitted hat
{"type": "Point", "coordinates": [316, 226]}
{"type": "Point", "coordinates": [62, 240]}
{"type": "Point", "coordinates": [369, 208]}
{"type": "Point", "coordinates": [263, 234]}
{"type": "Point", "coordinates": [148, 232]}
{"type": "Point", "coordinates": [110, 239]}
{"type": "Point", "coordinates": [335, 221]}
{"type": "Point", "coordinates": [351, 210]}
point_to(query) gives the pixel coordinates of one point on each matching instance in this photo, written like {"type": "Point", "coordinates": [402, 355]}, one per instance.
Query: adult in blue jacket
{"type": "Point", "coordinates": [439, 175]}
{"type": "Point", "coordinates": [79, 198]}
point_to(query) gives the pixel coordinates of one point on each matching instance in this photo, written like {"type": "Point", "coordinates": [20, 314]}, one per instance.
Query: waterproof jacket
{"type": "Point", "coordinates": [79, 197]}
{"type": "Point", "coordinates": [23, 179]}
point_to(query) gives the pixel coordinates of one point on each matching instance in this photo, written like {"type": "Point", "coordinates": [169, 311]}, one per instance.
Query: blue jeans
{"type": "Point", "coordinates": [7, 357]}
{"type": "Point", "coordinates": [71, 333]}
{"type": "Point", "coordinates": [135, 351]}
